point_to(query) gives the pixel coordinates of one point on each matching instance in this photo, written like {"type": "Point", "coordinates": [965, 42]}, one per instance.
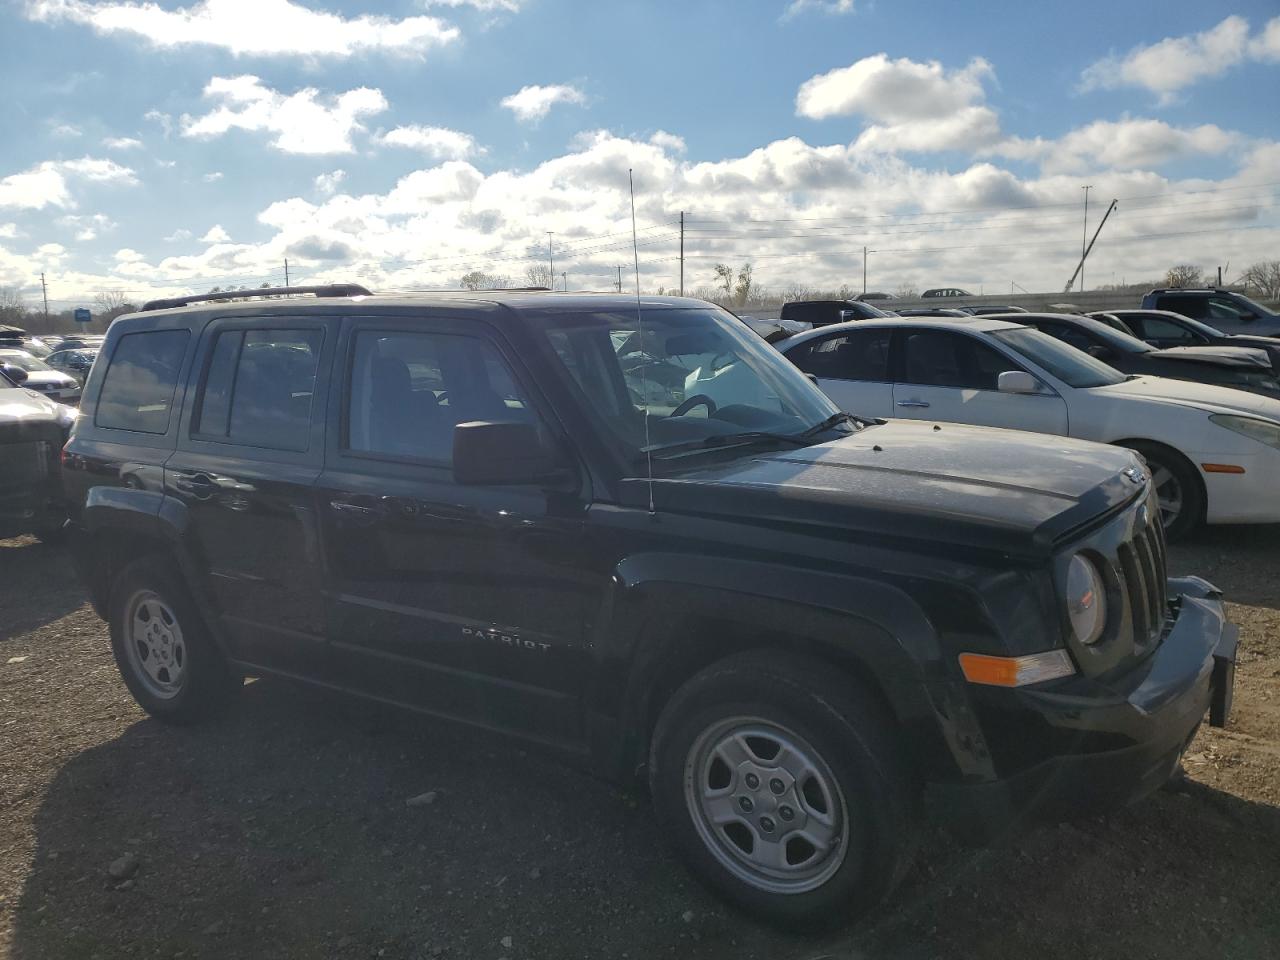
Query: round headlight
{"type": "Point", "coordinates": [1086, 600]}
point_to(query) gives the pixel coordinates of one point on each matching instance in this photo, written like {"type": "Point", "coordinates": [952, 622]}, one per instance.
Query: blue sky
{"type": "Point", "coordinates": [160, 147]}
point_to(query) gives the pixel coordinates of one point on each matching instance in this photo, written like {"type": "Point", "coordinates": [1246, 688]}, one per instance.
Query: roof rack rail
{"type": "Point", "coordinates": [326, 290]}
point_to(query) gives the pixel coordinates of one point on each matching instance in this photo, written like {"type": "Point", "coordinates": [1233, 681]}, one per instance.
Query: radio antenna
{"type": "Point", "coordinates": [644, 344]}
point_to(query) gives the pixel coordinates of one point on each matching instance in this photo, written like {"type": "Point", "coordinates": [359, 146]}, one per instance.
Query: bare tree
{"type": "Point", "coordinates": [906, 291]}
{"type": "Point", "coordinates": [13, 308]}
{"type": "Point", "coordinates": [111, 304]}
{"type": "Point", "coordinates": [539, 275]}
{"type": "Point", "coordinates": [479, 280]}
{"type": "Point", "coordinates": [797, 291]}
{"type": "Point", "coordinates": [845, 292]}
{"type": "Point", "coordinates": [738, 287]}
{"type": "Point", "coordinates": [1264, 278]}
{"type": "Point", "coordinates": [1184, 275]}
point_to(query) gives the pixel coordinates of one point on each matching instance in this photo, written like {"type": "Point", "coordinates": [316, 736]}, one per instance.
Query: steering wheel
{"type": "Point", "coordinates": [697, 400]}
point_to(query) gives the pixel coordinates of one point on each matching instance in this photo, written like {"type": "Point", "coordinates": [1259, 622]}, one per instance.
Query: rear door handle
{"type": "Point", "coordinates": [913, 403]}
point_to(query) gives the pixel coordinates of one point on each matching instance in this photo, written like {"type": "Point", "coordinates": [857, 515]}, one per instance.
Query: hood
{"type": "Point", "coordinates": [1197, 396]}
{"type": "Point", "coordinates": [52, 377]}
{"type": "Point", "coordinates": [1002, 490]}
{"type": "Point", "coordinates": [24, 407]}
{"type": "Point", "coordinates": [1222, 356]}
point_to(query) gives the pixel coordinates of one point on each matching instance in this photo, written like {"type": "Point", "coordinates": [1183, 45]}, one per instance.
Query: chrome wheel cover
{"type": "Point", "coordinates": [154, 645]}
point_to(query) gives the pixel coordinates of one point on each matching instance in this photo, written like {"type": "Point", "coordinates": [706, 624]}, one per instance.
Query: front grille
{"type": "Point", "coordinates": [1141, 568]}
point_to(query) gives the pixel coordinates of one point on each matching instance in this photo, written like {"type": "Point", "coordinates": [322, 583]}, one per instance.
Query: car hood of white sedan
{"type": "Point", "coordinates": [1199, 396]}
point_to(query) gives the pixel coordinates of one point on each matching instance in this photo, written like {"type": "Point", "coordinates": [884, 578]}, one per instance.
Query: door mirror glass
{"type": "Point", "coordinates": [846, 315]}
{"type": "Point", "coordinates": [501, 452]}
{"type": "Point", "coordinates": [14, 373]}
{"type": "Point", "coordinates": [1018, 381]}
{"type": "Point", "coordinates": [1102, 353]}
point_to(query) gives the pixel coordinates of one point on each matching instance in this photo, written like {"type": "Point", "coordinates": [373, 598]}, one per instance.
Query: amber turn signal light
{"type": "Point", "coordinates": [1016, 671]}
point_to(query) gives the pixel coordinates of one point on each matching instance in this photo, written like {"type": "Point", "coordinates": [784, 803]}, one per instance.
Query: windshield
{"type": "Point", "coordinates": [696, 373]}
{"type": "Point", "coordinates": [24, 361]}
{"type": "Point", "coordinates": [1073, 367]}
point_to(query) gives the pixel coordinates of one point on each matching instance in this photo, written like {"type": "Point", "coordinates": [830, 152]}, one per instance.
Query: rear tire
{"type": "Point", "coordinates": [1178, 487]}
{"type": "Point", "coordinates": [783, 785]}
{"type": "Point", "coordinates": [166, 656]}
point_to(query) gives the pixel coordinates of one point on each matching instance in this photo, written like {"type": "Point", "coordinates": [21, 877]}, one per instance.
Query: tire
{"type": "Point", "coordinates": [164, 651]}
{"type": "Point", "coordinates": [1171, 471]}
{"type": "Point", "coordinates": [854, 789]}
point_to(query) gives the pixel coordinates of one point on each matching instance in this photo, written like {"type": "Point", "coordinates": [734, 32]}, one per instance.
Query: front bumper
{"type": "Point", "coordinates": [1126, 740]}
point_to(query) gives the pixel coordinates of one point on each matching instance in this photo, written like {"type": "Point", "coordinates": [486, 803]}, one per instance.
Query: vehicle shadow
{"type": "Point", "coordinates": [305, 825]}
{"type": "Point", "coordinates": [1243, 561]}
{"type": "Point", "coordinates": [37, 585]}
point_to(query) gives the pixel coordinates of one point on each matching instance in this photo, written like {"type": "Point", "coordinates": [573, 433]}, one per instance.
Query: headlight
{"type": "Point", "coordinates": [1086, 600]}
{"type": "Point", "coordinates": [1264, 431]}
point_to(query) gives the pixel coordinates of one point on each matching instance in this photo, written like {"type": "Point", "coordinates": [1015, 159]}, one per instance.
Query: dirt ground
{"type": "Point", "coordinates": [282, 830]}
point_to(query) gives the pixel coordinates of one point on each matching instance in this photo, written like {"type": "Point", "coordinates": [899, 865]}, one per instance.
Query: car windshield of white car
{"type": "Point", "coordinates": [1073, 367]}
{"type": "Point", "coordinates": [694, 374]}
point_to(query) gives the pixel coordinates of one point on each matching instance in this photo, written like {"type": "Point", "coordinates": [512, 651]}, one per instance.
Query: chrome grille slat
{"type": "Point", "coordinates": [1151, 578]}
{"type": "Point", "coordinates": [1135, 591]}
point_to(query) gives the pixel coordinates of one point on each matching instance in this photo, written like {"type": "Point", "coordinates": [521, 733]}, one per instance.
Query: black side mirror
{"type": "Point", "coordinates": [501, 452]}
{"type": "Point", "coordinates": [16, 374]}
{"type": "Point", "coordinates": [1101, 353]}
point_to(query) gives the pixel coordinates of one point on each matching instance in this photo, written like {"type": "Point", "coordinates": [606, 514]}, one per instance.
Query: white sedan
{"type": "Point", "coordinates": [41, 377]}
{"type": "Point", "coordinates": [1214, 452]}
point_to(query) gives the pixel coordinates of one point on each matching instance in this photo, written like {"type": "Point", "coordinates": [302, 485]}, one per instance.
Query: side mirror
{"type": "Point", "coordinates": [501, 452]}
{"type": "Point", "coordinates": [1099, 352]}
{"type": "Point", "coordinates": [1017, 381]}
{"type": "Point", "coordinates": [846, 315]}
{"type": "Point", "coordinates": [16, 374]}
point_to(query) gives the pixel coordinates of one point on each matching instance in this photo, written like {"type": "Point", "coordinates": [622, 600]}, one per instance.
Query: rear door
{"type": "Point", "coordinates": [953, 376]}
{"type": "Point", "coordinates": [852, 369]}
{"type": "Point", "coordinates": [249, 451]}
{"type": "Point", "coordinates": [468, 601]}
{"type": "Point", "coordinates": [1163, 332]}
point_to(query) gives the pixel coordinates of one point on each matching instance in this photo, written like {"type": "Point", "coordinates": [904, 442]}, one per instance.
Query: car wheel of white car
{"type": "Point", "coordinates": [1178, 488]}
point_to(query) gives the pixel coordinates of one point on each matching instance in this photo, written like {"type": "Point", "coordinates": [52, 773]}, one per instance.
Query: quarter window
{"type": "Point", "coordinates": [137, 392]}
{"type": "Point", "coordinates": [259, 387]}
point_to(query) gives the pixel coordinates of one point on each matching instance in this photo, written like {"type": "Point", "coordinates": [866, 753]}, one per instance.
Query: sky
{"type": "Point", "coordinates": [154, 148]}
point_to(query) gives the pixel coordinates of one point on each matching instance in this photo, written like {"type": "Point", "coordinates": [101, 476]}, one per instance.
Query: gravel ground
{"type": "Point", "coordinates": [283, 830]}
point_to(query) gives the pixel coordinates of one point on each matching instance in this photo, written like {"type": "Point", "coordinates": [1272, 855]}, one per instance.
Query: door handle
{"type": "Point", "coordinates": [203, 485]}
{"type": "Point", "coordinates": [913, 403]}
{"type": "Point", "coordinates": [356, 511]}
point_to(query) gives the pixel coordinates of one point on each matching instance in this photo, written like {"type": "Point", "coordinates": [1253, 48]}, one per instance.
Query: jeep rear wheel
{"type": "Point", "coordinates": [166, 656]}
{"type": "Point", "coordinates": [784, 789]}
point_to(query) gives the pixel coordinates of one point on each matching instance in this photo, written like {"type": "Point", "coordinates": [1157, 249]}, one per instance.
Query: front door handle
{"type": "Point", "coordinates": [913, 403]}
{"type": "Point", "coordinates": [356, 511]}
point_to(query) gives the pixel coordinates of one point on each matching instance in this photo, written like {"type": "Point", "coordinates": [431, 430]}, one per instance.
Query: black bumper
{"type": "Point", "coordinates": [1152, 713]}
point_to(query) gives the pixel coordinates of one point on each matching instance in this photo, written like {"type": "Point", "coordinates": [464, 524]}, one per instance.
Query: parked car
{"type": "Point", "coordinates": [35, 346]}
{"type": "Point", "coordinates": [863, 297]}
{"type": "Point", "coordinates": [43, 378]}
{"type": "Point", "coordinates": [930, 312]}
{"type": "Point", "coordinates": [946, 292]}
{"type": "Point", "coordinates": [775, 330]}
{"type": "Point", "coordinates": [1241, 368]}
{"type": "Point", "coordinates": [1227, 310]}
{"type": "Point", "coordinates": [819, 313]}
{"type": "Point", "coordinates": [75, 363]}
{"type": "Point", "coordinates": [792, 622]}
{"type": "Point", "coordinates": [1161, 328]}
{"type": "Point", "coordinates": [988, 309]}
{"type": "Point", "coordinates": [1214, 452]}
{"type": "Point", "coordinates": [32, 431]}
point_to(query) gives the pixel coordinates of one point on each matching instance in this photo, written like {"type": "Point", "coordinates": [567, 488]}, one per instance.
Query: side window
{"type": "Point", "coordinates": [409, 390]}
{"type": "Point", "coordinates": [939, 359]}
{"type": "Point", "coordinates": [1158, 328]}
{"type": "Point", "coordinates": [137, 392]}
{"type": "Point", "coordinates": [863, 355]}
{"type": "Point", "coordinates": [1195, 307]}
{"type": "Point", "coordinates": [1070, 335]}
{"type": "Point", "coordinates": [259, 387]}
{"type": "Point", "coordinates": [1220, 308]}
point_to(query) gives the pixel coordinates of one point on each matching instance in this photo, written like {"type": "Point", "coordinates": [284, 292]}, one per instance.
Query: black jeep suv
{"type": "Point", "coordinates": [794, 624]}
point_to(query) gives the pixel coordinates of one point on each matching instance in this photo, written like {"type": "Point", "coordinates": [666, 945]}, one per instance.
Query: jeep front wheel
{"type": "Point", "coordinates": [784, 789]}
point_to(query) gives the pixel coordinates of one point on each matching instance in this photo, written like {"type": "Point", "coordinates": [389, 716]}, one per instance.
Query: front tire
{"type": "Point", "coordinates": [166, 656]}
{"type": "Point", "coordinates": [1179, 489]}
{"type": "Point", "coordinates": [783, 786]}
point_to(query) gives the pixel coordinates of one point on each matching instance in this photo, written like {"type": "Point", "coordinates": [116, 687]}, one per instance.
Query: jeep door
{"type": "Point", "coordinates": [852, 368]}
{"type": "Point", "coordinates": [949, 375]}
{"type": "Point", "coordinates": [468, 601]}
{"type": "Point", "coordinates": [249, 450]}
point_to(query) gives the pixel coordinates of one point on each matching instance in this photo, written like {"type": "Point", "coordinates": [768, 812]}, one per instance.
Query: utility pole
{"type": "Point", "coordinates": [286, 272]}
{"type": "Point", "coordinates": [681, 254]}
{"type": "Point", "coordinates": [45, 290]}
{"type": "Point", "coordinates": [864, 269]}
{"type": "Point", "coordinates": [552, 257]}
{"type": "Point", "coordinates": [619, 278]}
{"type": "Point", "coordinates": [564, 275]}
{"type": "Point", "coordinates": [1084, 234]}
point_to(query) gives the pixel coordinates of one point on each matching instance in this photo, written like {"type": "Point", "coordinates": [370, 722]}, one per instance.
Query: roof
{"type": "Point", "coordinates": [976, 324]}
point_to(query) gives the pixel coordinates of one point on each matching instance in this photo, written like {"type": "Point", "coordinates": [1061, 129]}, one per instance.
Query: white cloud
{"type": "Point", "coordinates": [212, 177]}
{"type": "Point", "coordinates": [253, 27]}
{"type": "Point", "coordinates": [178, 235]}
{"type": "Point", "coordinates": [304, 122]}
{"type": "Point", "coordinates": [165, 121]}
{"type": "Point", "coordinates": [46, 184]}
{"type": "Point", "coordinates": [87, 227]}
{"type": "Point", "coordinates": [66, 131]}
{"type": "Point", "coordinates": [122, 143]}
{"type": "Point", "coordinates": [128, 255]}
{"type": "Point", "coordinates": [216, 234]}
{"type": "Point", "coordinates": [913, 106]}
{"type": "Point", "coordinates": [440, 143]}
{"type": "Point", "coordinates": [832, 7]}
{"type": "Point", "coordinates": [1128, 144]}
{"type": "Point", "coordinates": [1174, 63]}
{"type": "Point", "coordinates": [668, 141]}
{"type": "Point", "coordinates": [534, 102]}
{"type": "Point", "coordinates": [484, 6]}
{"type": "Point", "coordinates": [8, 231]}
{"type": "Point", "coordinates": [327, 183]}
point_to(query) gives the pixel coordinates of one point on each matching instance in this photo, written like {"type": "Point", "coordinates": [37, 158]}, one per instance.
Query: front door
{"type": "Point", "coordinates": [249, 451]}
{"type": "Point", "coordinates": [953, 376]}
{"type": "Point", "coordinates": [468, 601]}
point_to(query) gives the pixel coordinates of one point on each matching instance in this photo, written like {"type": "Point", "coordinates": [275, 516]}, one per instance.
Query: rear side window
{"type": "Point", "coordinates": [939, 359]}
{"type": "Point", "coordinates": [259, 387]}
{"type": "Point", "coordinates": [137, 392]}
{"type": "Point", "coordinates": [862, 355]}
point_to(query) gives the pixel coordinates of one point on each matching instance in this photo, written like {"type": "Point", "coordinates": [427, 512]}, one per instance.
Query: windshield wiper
{"type": "Point", "coordinates": [802, 439]}
{"type": "Point", "coordinates": [835, 420]}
